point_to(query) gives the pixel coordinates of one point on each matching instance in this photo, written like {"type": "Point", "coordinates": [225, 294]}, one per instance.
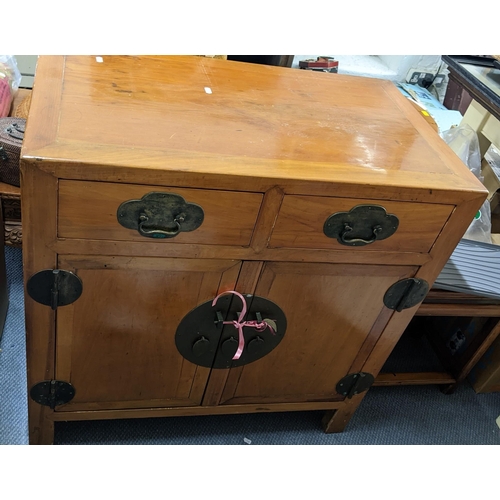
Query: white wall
{"type": "Point", "coordinates": [26, 66]}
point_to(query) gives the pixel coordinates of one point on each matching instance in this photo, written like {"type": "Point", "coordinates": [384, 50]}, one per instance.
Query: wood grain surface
{"type": "Point", "coordinates": [296, 128]}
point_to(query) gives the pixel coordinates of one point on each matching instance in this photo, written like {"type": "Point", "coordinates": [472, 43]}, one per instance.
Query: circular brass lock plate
{"type": "Point", "coordinates": [198, 334]}
{"type": "Point", "coordinates": [203, 339]}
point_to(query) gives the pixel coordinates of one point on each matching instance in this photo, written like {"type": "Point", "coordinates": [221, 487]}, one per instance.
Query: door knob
{"type": "Point", "coordinates": [229, 347]}
{"type": "Point", "coordinates": [200, 346]}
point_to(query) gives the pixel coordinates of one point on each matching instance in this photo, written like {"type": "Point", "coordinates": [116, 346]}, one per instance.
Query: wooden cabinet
{"type": "Point", "coordinates": [238, 238]}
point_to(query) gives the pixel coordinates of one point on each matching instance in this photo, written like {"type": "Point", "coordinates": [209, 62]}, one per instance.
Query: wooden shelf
{"type": "Point", "coordinates": [440, 303]}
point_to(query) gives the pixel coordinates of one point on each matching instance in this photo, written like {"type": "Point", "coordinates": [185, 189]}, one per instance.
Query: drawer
{"type": "Point", "coordinates": [301, 222]}
{"type": "Point", "coordinates": [88, 210]}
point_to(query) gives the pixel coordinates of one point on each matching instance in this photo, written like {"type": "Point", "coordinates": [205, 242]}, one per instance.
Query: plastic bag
{"type": "Point", "coordinates": [464, 142]}
{"type": "Point", "coordinates": [10, 78]}
{"type": "Point", "coordinates": [493, 158]}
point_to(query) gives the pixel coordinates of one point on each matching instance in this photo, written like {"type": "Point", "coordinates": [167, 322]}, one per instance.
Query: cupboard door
{"type": "Point", "coordinates": [334, 314]}
{"type": "Point", "coordinates": [116, 344]}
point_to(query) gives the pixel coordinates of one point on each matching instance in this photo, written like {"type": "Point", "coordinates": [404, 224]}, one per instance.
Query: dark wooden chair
{"type": "Point", "coordinates": [4, 293]}
{"type": "Point", "coordinates": [10, 196]}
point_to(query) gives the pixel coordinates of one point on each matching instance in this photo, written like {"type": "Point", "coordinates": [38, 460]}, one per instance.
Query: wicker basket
{"type": "Point", "coordinates": [23, 108]}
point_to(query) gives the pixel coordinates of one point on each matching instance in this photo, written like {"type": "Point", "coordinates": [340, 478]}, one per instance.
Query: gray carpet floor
{"type": "Point", "coordinates": [387, 416]}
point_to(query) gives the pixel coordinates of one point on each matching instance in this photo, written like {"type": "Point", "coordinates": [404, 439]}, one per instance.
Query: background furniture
{"type": "Point", "coordinates": [10, 196]}
{"type": "Point", "coordinates": [11, 205]}
{"type": "Point", "coordinates": [459, 328]}
{"type": "Point", "coordinates": [4, 293]}
{"type": "Point", "coordinates": [479, 77]}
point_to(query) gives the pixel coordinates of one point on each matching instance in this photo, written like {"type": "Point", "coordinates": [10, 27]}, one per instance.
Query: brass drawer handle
{"type": "Point", "coordinates": [358, 241]}
{"type": "Point", "coordinates": [160, 215]}
{"type": "Point", "coordinates": [158, 232]}
{"type": "Point", "coordinates": [362, 225]}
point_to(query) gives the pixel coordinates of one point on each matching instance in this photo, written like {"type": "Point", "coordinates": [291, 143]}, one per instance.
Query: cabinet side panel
{"type": "Point", "coordinates": [39, 208]}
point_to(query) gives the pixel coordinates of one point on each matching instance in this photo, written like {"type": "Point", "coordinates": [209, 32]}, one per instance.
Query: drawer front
{"type": "Point", "coordinates": [88, 210]}
{"type": "Point", "coordinates": [301, 223]}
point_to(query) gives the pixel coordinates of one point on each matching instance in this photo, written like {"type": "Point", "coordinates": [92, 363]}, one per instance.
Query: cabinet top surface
{"type": "Point", "coordinates": [201, 115]}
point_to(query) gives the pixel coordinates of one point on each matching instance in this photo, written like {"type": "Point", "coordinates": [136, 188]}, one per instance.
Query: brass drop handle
{"type": "Point", "coordinates": [159, 232]}
{"type": "Point", "coordinates": [160, 215]}
{"type": "Point", "coordinates": [229, 347]}
{"type": "Point", "coordinates": [200, 346]}
{"type": "Point", "coordinates": [348, 228]}
{"type": "Point", "coordinates": [255, 345]}
{"type": "Point", "coordinates": [372, 222]}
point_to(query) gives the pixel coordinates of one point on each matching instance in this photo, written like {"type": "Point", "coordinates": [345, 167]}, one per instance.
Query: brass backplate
{"type": "Point", "coordinates": [362, 225]}
{"type": "Point", "coordinates": [204, 339]}
{"type": "Point", "coordinates": [160, 215]}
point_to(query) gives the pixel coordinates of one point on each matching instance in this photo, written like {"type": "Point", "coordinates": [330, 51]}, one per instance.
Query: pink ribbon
{"type": "Point", "coordinates": [239, 323]}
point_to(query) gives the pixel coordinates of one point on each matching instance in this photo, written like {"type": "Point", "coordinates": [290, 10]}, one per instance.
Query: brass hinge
{"type": "Point", "coordinates": [52, 393]}
{"type": "Point", "coordinates": [406, 293]}
{"type": "Point", "coordinates": [54, 287]}
{"type": "Point", "coordinates": [354, 383]}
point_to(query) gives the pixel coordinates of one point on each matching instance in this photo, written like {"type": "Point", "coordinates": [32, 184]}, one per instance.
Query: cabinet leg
{"type": "Point", "coordinates": [41, 426]}
{"type": "Point", "coordinates": [337, 420]}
